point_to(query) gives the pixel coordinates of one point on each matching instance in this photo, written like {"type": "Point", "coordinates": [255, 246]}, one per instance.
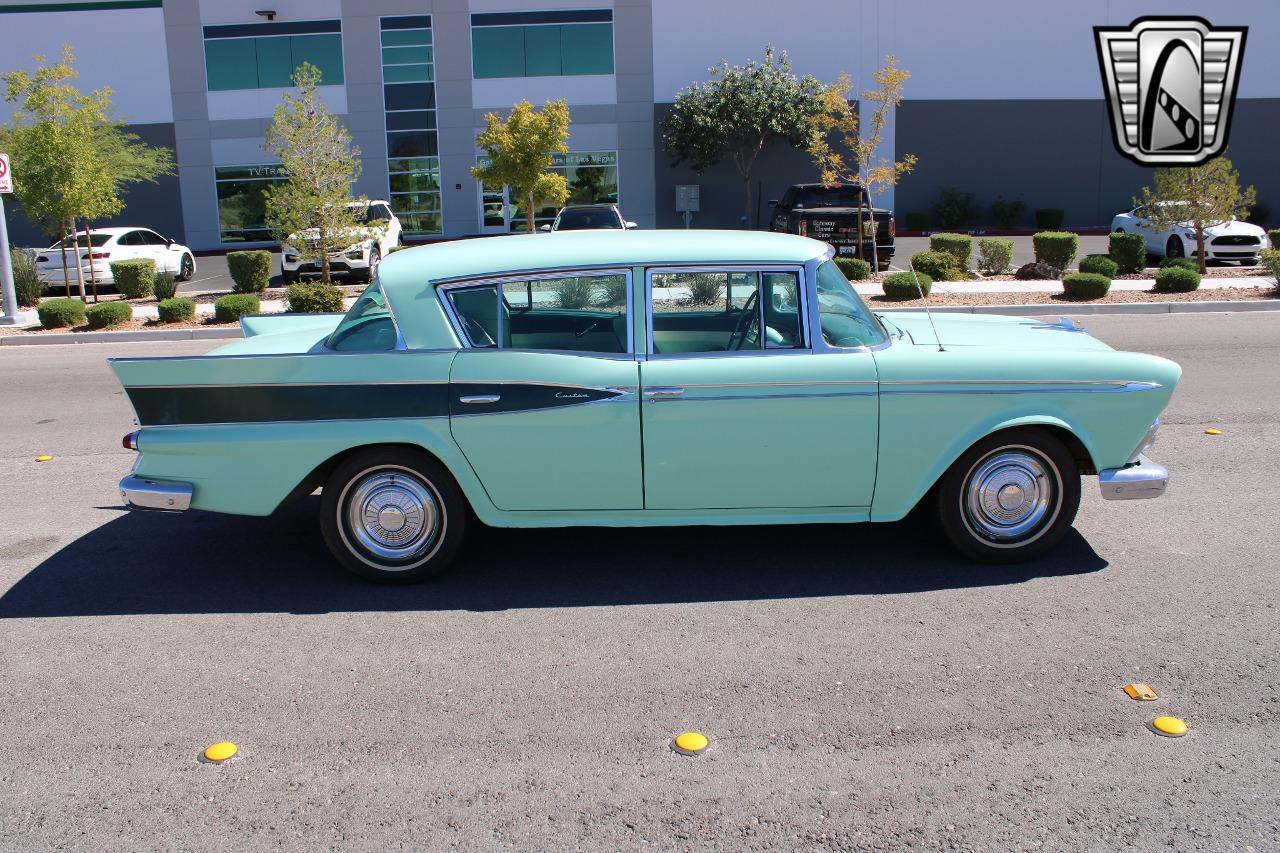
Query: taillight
{"type": "Point", "coordinates": [893, 227]}
{"type": "Point", "coordinates": [803, 229]}
{"type": "Point", "coordinates": [130, 441]}
{"type": "Point", "coordinates": [96, 256]}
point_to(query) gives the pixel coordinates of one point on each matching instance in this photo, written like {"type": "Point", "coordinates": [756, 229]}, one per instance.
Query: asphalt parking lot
{"type": "Point", "coordinates": [862, 687]}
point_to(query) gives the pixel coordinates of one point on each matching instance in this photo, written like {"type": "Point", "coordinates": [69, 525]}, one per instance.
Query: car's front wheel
{"type": "Point", "coordinates": [1174, 249]}
{"type": "Point", "coordinates": [186, 268]}
{"type": "Point", "coordinates": [392, 515]}
{"type": "Point", "coordinates": [1011, 497]}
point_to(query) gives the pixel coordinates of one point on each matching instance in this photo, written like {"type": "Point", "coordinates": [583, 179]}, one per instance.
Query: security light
{"type": "Point", "coordinates": [269, 14]}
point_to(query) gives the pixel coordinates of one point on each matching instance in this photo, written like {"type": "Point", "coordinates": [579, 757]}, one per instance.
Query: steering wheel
{"type": "Point", "coordinates": [749, 316]}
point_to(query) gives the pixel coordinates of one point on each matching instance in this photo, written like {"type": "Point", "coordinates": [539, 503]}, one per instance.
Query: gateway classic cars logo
{"type": "Point", "coordinates": [1171, 83]}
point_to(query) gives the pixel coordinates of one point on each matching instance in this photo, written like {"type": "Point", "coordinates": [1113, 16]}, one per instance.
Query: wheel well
{"type": "Point", "coordinates": [320, 474]}
{"type": "Point", "coordinates": [1069, 440]}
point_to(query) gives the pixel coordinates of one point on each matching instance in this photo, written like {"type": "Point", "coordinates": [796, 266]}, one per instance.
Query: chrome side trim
{"type": "Point", "coordinates": [143, 493]}
{"type": "Point", "coordinates": [480, 398]}
{"type": "Point", "coordinates": [1143, 479]}
{"type": "Point", "coordinates": [651, 262]}
{"type": "Point", "coordinates": [799, 396]}
{"type": "Point", "coordinates": [1014, 386]}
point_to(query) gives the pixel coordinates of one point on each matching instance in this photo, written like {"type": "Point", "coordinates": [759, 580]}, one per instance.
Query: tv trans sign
{"type": "Point", "coordinates": [1171, 84]}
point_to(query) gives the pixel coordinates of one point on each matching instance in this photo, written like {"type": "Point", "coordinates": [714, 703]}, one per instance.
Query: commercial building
{"type": "Point", "coordinates": [1005, 98]}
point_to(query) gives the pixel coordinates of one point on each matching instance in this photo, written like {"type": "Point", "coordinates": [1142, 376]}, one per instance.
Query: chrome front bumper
{"type": "Point", "coordinates": [140, 493]}
{"type": "Point", "coordinates": [1142, 479]}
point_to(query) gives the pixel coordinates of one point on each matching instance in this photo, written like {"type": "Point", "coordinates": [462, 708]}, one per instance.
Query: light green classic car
{"type": "Point", "coordinates": [640, 378]}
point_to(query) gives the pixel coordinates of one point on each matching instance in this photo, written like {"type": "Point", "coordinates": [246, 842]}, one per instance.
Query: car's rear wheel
{"type": "Point", "coordinates": [1011, 497]}
{"type": "Point", "coordinates": [392, 515]}
{"type": "Point", "coordinates": [1173, 249]}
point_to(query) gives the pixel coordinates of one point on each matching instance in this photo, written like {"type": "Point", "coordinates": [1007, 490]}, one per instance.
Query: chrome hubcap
{"type": "Point", "coordinates": [1009, 495]}
{"type": "Point", "coordinates": [393, 515]}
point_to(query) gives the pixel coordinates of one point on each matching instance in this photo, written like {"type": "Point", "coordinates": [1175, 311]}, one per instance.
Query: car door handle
{"type": "Point", "coordinates": [663, 392]}
{"type": "Point", "coordinates": [481, 398]}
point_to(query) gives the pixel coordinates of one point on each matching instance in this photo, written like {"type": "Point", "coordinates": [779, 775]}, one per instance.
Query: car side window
{"type": "Point", "coordinates": [151, 238]}
{"type": "Point", "coordinates": [368, 325]}
{"type": "Point", "coordinates": [725, 311]}
{"type": "Point", "coordinates": [130, 238]}
{"type": "Point", "coordinates": [574, 313]}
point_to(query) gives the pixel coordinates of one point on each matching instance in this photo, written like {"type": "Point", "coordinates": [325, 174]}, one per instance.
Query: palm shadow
{"type": "Point", "coordinates": [153, 563]}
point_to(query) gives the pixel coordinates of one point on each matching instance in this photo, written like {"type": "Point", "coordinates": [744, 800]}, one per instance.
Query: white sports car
{"type": "Point", "coordinates": [101, 246]}
{"type": "Point", "coordinates": [1226, 241]}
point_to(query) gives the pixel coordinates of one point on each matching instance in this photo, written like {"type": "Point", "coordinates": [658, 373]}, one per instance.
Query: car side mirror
{"type": "Point", "coordinates": [168, 241]}
{"type": "Point", "coordinates": [629, 224]}
{"type": "Point", "coordinates": [544, 228]}
{"type": "Point", "coordinates": [773, 202]}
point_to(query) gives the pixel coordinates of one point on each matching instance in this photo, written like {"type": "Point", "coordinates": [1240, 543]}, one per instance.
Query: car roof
{"type": "Point", "coordinates": [600, 206]}
{"type": "Point", "coordinates": [116, 230]}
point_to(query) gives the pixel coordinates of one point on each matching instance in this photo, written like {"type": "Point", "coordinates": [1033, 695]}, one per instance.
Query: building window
{"type": "Point", "coordinates": [592, 178]}
{"type": "Point", "coordinates": [542, 44]}
{"type": "Point", "coordinates": [409, 102]}
{"type": "Point", "coordinates": [242, 201]}
{"type": "Point", "coordinates": [264, 56]}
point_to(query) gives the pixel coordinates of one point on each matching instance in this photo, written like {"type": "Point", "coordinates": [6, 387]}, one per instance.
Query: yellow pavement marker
{"type": "Point", "coordinates": [1213, 431]}
{"type": "Point", "coordinates": [44, 457]}
{"type": "Point", "coordinates": [1141, 692]}
{"type": "Point", "coordinates": [220, 751]}
{"type": "Point", "coordinates": [690, 743]}
{"type": "Point", "coordinates": [1168, 726]}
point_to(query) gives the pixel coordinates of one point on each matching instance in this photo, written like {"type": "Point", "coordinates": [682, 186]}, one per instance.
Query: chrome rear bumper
{"type": "Point", "coordinates": [140, 493]}
{"type": "Point", "coordinates": [1142, 479]}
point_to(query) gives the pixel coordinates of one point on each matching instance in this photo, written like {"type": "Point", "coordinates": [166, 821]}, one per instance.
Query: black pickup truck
{"type": "Point", "coordinates": [830, 213]}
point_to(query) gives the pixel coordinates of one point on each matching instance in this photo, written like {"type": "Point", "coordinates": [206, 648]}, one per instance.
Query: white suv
{"type": "Point", "coordinates": [380, 234]}
{"type": "Point", "coordinates": [113, 244]}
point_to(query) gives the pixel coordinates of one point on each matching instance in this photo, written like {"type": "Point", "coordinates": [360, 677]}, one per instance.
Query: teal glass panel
{"type": "Point", "coordinates": [275, 62]}
{"type": "Point", "coordinates": [405, 55]}
{"type": "Point", "coordinates": [587, 48]}
{"type": "Point", "coordinates": [413, 164]}
{"type": "Point", "coordinates": [415, 201]}
{"type": "Point", "coordinates": [324, 51]}
{"type": "Point", "coordinates": [390, 38]}
{"type": "Point", "coordinates": [230, 64]}
{"type": "Point", "coordinates": [497, 52]}
{"type": "Point", "coordinates": [406, 73]}
{"type": "Point", "coordinates": [542, 51]}
{"type": "Point", "coordinates": [412, 182]}
{"type": "Point", "coordinates": [420, 223]}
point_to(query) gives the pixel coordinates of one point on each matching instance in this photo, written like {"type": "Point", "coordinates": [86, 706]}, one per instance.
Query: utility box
{"type": "Point", "coordinates": [688, 198]}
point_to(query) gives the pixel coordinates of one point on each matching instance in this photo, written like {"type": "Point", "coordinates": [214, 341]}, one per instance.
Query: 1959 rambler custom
{"type": "Point", "coordinates": [641, 378]}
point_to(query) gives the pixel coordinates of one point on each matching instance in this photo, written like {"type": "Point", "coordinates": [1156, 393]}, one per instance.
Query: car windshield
{"type": "Point", "coordinates": [828, 197]}
{"type": "Point", "coordinates": [579, 220]}
{"type": "Point", "coordinates": [367, 327]}
{"type": "Point", "coordinates": [97, 238]}
{"type": "Point", "coordinates": [846, 322]}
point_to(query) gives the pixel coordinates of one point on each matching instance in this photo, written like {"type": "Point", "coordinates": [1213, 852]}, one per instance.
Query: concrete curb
{"type": "Point", "coordinates": [1226, 306]}
{"type": "Point", "coordinates": [150, 335]}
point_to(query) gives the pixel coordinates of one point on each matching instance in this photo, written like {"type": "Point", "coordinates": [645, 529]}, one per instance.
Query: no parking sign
{"type": "Point", "coordinates": [6, 178]}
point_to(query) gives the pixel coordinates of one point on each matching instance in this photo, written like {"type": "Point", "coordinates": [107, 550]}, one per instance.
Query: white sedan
{"type": "Point", "coordinates": [1225, 241]}
{"type": "Point", "coordinates": [101, 246]}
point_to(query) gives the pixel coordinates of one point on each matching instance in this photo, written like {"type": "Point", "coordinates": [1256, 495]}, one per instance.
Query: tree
{"type": "Point", "coordinates": [1196, 197]}
{"type": "Point", "coordinates": [313, 205]}
{"type": "Point", "coordinates": [519, 153]}
{"type": "Point", "coordinates": [739, 111]}
{"type": "Point", "coordinates": [839, 118]}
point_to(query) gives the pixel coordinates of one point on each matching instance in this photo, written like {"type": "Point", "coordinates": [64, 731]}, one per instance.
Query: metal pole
{"type": "Point", "coordinates": [11, 315]}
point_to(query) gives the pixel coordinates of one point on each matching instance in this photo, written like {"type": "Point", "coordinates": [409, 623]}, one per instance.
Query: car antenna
{"type": "Point", "coordinates": [927, 312]}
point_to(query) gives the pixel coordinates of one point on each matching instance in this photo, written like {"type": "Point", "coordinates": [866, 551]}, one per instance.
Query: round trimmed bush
{"type": "Point", "coordinates": [1177, 280]}
{"type": "Point", "coordinates": [227, 309]}
{"type": "Point", "coordinates": [317, 298]}
{"type": "Point", "coordinates": [135, 278]}
{"type": "Point", "coordinates": [1186, 263]}
{"type": "Point", "coordinates": [1100, 264]}
{"type": "Point", "coordinates": [1129, 251]}
{"type": "Point", "coordinates": [250, 270]}
{"type": "Point", "coordinates": [60, 313]}
{"type": "Point", "coordinates": [902, 285]}
{"type": "Point", "coordinates": [176, 310]}
{"type": "Point", "coordinates": [939, 266]}
{"type": "Point", "coordinates": [854, 269]}
{"type": "Point", "coordinates": [104, 315]}
{"type": "Point", "coordinates": [994, 254]}
{"type": "Point", "coordinates": [1085, 285]}
{"type": "Point", "coordinates": [958, 246]}
{"type": "Point", "coordinates": [1056, 248]}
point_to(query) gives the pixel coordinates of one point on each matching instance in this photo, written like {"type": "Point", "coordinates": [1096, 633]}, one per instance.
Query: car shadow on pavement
{"type": "Point", "coordinates": [151, 563]}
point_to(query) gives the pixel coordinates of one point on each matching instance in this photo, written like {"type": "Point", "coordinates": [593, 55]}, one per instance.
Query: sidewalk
{"type": "Point", "coordinates": [868, 288]}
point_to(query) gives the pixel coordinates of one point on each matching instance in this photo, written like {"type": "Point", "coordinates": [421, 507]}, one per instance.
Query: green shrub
{"type": "Point", "coordinates": [958, 246]}
{"type": "Point", "coordinates": [178, 310]}
{"type": "Point", "coordinates": [1270, 258]}
{"type": "Point", "coordinates": [136, 279]}
{"type": "Point", "coordinates": [165, 286]}
{"type": "Point", "coordinates": [939, 266]}
{"type": "Point", "coordinates": [1100, 264]}
{"type": "Point", "coordinates": [902, 285]}
{"type": "Point", "coordinates": [954, 208]}
{"type": "Point", "coordinates": [1050, 218]}
{"type": "Point", "coordinates": [1186, 263]}
{"type": "Point", "coordinates": [27, 286]}
{"type": "Point", "coordinates": [1056, 248]}
{"type": "Point", "coordinates": [1005, 214]}
{"type": "Point", "coordinates": [917, 222]}
{"type": "Point", "coordinates": [994, 254]}
{"type": "Point", "coordinates": [1129, 251]}
{"type": "Point", "coordinates": [573, 293]}
{"type": "Point", "coordinates": [313, 298]}
{"type": "Point", "coordinates": [613, 292]}
{"type": "Point", "coordinates": [57, 313]}
{"type": "Point", "coordinates": [104, 315]}
{"type": "Point", "coordinates": [854, 269]}
{"type": "Point", "coordinates": [1274, 236]}
{"type": "Point", "coordinates": [1085, 285]}
{"type": "Point", "coordinates": [250, 270]}
{"type": "Point", "coordinates": [705, 288]}
{"type": "Point", "coordinates": [227, 309]}
{"type": "Point", "coordinates": [1177, 280]}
